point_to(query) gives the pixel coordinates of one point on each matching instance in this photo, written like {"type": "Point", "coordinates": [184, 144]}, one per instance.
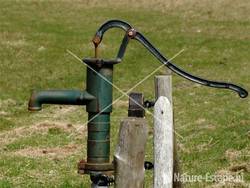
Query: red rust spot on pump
{"type": "Point", "coordinates": [96, 40]}
{"type": "Point", "coordinates": [131, 33]}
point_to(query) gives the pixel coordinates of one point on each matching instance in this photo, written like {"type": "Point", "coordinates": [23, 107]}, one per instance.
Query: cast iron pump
{"type": "Point", "coordinates": [98, 97]}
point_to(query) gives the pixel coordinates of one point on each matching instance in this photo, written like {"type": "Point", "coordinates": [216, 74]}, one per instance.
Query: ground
{"type": "Point", "coordinates": [42, 149]}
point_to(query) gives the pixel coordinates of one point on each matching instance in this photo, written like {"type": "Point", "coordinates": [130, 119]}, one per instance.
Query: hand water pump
{"type": "Point", "coordinates": [98, 97]}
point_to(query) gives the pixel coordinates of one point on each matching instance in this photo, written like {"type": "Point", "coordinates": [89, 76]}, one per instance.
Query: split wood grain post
{"type": "Point", "coordinates": [130, 152]}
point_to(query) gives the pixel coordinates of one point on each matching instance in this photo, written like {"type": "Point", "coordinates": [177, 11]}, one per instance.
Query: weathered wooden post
{"type": "Point", "coordinates": [130, 150]}
{"type": "Point", "coordinates": [163, 144]}
{"type": "Point", "coordinates": [165, 155]}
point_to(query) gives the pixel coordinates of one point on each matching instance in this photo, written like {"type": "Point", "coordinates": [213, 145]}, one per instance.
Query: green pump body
{"type": "Point", "coordinates": [98, 144]}
{"type": "Point", "coordinates": [98, 101]}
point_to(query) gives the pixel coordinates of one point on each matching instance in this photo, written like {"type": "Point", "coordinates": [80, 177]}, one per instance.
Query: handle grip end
{"type": "Point", "coordinates": [243, 94]}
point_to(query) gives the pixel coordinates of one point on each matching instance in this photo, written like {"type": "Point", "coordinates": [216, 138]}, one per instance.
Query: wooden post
{"type": "Point", "coordinates": [163, 87]}
{"type": "Point", "coordinates": [130, 152]}
{"type": "Point", "coordinates": [163, 144]}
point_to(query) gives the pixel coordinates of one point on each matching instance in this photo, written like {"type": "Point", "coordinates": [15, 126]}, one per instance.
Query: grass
{"type": "Point", "coordinates": [34, 37]}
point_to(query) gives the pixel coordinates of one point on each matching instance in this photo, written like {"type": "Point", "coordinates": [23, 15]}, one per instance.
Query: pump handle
{"type": "Point", "coordinates": [131, 33]}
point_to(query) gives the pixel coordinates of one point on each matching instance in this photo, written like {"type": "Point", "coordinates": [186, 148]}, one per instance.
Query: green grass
{"type": "Point", "coordinates": [35, 37]}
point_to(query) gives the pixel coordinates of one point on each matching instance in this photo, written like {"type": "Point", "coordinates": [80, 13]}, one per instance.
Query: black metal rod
{"type": "Point", "coordinates": [242, 92]}
{"type": "Point", "coordinates": [111, 24]}
{"type": "Point", "coordinates": [139, 37]}
{"type": "Point", "coordinates": [123, 47]}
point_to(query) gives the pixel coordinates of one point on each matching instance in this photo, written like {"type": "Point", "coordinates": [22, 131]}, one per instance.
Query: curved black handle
{"type": "Point", "coordinates": [242, 92]}
{"type": "Point", "coordinates": [133, 34]}
{"type": "Point", "coordinates": [108, 25]}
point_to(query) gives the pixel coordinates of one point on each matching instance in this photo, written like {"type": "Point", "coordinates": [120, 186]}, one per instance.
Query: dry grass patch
{"type": "Point", "coordinates": [121, 103]}
{"type": "Point", "coordinates": [233, 155]}
{"type": "Point", "coordinates": [9, 39]}
{"type": "Point", "coordinates": [7, 102]}
{"type": "Point", "coordinates": [7, 137]}
{"type": "Point", "coordinates": [50, 153]}
{"type": "Point", "coordinates": [240, 167]}
{"type": "Point", "coordinates": [236, 169]}
{"type": "Point", "coordinates": [3, 113]}
{"type": "Point", "coordinates": [64, 110]}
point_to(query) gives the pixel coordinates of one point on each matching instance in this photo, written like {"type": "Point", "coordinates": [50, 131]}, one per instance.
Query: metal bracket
{"type": "Point", "coordinates": [102, 180]}
{"type": "Point", "coordinates": [136, 105]}
{"type": "Point", "coordinates": [148, 165]}
{"type": "Point", "coordinates": [149, 104]}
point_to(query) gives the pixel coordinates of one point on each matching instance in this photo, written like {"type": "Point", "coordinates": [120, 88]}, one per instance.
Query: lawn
{"type": "Point", "coordinates": [36, 149]}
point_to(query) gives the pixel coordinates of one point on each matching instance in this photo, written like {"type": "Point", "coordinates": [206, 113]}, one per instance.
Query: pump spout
{"type": "Point", "coordinates": [65, 97]}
